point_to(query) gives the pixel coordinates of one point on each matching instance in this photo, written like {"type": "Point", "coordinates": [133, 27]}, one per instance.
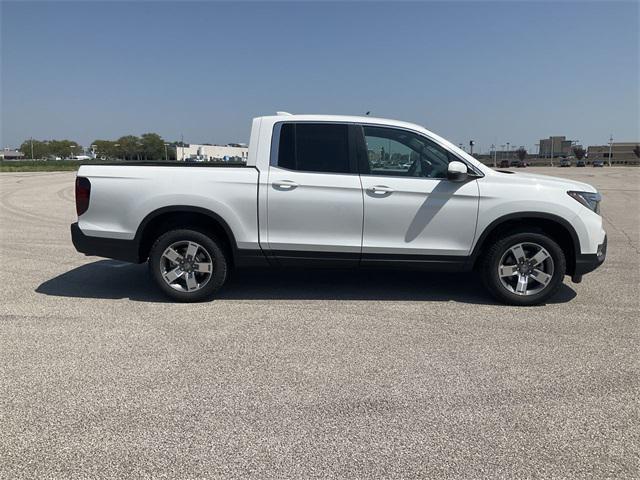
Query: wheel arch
{"type": "Point", "coordinates": [554, 226]}
{"type": "Point", "coordinates": [176, 216]}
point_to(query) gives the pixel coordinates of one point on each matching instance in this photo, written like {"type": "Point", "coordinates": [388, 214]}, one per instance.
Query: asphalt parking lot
{"type": "Point", "coordinates": [310, 374]}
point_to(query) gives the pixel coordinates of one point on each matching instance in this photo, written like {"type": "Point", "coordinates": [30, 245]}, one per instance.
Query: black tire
{"type": "Point", "coordinates": [491, 262]}
{"type": "Point", "coordinates": [211, 246]}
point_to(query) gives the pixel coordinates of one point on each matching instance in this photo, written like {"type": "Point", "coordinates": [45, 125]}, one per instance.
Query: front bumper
{"type": "Point", "coordinates": [586, 263]}
{"type": "Point", "coordinates": [125, 250]}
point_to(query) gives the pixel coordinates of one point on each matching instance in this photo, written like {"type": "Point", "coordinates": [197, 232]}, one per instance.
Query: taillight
{"type": "Point", "coordinates": [83, 192]}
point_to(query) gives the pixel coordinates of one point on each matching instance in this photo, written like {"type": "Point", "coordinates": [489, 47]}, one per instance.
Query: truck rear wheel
{"type": "Point", "coordinates": [524, 269]}
{"type": "Point", "coordinates": [188, 265]}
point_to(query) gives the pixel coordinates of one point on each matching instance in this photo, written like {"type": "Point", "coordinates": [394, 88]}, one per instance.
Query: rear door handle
{"type": "Point", "coordinates": [285, 184]}
{"type": "Point", "coordinates": [380, 190]}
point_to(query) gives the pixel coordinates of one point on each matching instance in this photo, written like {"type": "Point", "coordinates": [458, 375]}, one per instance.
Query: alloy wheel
{"type": "Point", "coordinates": [526, 269]}
{"type": "Point", "coordinates": [186, 266]}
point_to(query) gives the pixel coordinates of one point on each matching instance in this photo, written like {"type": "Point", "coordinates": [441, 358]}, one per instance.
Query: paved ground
{"type": "Point", "coordinates": [304, 375]}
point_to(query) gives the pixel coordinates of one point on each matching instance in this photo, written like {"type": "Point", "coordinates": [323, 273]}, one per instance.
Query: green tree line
{"type": "Point", "coordinates": [148, 146]}
{"type": "Point", "coordinates": [50, 148]}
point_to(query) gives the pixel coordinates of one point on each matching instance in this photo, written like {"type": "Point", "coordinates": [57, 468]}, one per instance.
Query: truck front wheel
{"type": "Point", "coordinates": [524, 268]}
{"type": "Point", "coordinates": [188, 265]}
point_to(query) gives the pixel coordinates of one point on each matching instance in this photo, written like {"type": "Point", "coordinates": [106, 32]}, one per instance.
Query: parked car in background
{"type": "Point", "coordinates": [565, 162]}
{"type": "Point", "coordinates": [338, 191]}
{"type": "Point", "coordinates": [598, 163]}
{"type": "Point", "coordinates": [504, 164]}
{"type": "Point", "coordinates": [581, 163]}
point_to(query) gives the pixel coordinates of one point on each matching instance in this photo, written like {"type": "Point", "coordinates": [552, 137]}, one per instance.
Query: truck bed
{"type": "Point", "coordinates": [123, 195]}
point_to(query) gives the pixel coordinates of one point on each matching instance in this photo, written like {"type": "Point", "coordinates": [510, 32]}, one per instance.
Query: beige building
{"type": "Point", "coordinates": [235, 152]}
{"type": "Point", "coordinates": [622, 153]}
{"type": "Point", "coordinates": [554, 147]}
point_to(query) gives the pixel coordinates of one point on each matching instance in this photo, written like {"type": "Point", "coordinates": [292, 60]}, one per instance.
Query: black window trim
{"type": "Point", "coordinates": [351, 146]}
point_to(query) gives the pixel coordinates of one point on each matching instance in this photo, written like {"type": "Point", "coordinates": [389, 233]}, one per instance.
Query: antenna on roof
{"type": "Point", "coordinates": [283, 114]}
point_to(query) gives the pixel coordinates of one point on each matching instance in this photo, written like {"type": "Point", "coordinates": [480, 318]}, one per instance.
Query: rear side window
{"type": "Point", "coordinates": [314, 147]}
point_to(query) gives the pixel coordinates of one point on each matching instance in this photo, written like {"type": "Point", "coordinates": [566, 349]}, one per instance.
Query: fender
{"type": "Point", "coordinates": [523, 215]}
{"type": "Point", "coordinates": [186, 208]}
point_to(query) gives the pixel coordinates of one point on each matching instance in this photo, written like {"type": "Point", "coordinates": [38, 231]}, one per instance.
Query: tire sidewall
{"type": "Point", "coordinates": [492, 279]}
{"type": "Point", "coordinates": [212, 247]}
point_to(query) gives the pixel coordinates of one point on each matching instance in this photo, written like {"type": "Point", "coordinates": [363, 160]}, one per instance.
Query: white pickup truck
{"type": "Point", "coordinates": [336, 191]}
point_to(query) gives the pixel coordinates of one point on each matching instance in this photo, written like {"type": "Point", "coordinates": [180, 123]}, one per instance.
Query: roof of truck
{"type": "Point", "coordinates": [285, 116]}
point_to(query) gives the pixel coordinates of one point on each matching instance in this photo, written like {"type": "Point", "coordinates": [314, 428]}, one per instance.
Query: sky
{"type": "Point", "coordinates": [494, 72]}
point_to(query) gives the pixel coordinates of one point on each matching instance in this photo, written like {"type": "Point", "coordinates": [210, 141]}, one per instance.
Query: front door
{"type": "Point", "coordinates": [411, 211]}
{"type": "Point", "coordinates": [314, 198]}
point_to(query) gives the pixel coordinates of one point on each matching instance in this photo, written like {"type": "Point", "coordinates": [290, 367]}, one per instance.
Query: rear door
{"type": "Point", "coordinates": [314, 194]}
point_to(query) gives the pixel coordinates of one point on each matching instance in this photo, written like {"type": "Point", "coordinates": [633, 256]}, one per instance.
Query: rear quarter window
{"type": "Point", "coordinates": [314, 147]}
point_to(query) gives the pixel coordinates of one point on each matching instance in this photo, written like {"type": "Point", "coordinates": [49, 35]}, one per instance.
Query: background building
{"type": "Point", "coordinates": [622, 153]}
{"type": "Point", "coordinates": [560, 145]}
{"type": "Point", "coordinates": [9, 154]}
{"type": "Point", "coordinates": [213, 153]}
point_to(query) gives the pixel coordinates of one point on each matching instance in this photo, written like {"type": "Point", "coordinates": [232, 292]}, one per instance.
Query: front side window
{"type": "Point", "coordinates": [395, 152]}
{"type": "Point", "coordinates": [314, 147]}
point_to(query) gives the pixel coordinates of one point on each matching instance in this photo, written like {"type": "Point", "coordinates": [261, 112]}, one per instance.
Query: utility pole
{"type": "Point", "coordinates": [493, 149]}
{"type": "Point", "coordinates": [551, 150]}
{"type": "Point", "coordinates": [31, 148]}
{"type": "Point", "coordinates": [471, 144]}
{"type": "Point", "coordinates": [182, 145]}
{"type": "Point", "coordinates": [610, 147]}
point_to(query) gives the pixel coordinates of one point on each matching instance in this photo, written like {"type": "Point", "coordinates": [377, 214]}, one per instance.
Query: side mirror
{"type": "Point", "coordinates": [457, 172]}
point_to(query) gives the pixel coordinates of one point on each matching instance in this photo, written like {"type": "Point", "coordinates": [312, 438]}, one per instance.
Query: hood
{"type": "Point", "coordinates": [546, 180]}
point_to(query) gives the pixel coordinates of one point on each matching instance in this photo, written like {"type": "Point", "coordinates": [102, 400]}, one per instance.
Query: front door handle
{"type": "Point", "coordinates": [380, 190]}
{"type": "Point", "coordinates": [285, 184]}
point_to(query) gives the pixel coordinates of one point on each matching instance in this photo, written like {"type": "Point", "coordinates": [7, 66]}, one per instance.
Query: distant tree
{"type": "Point", "coordinates": [40, 149]}
{"type": "Point", "coordinates": [63, 148]}
{"type": "Point", "coordinates": [579, 152]}
{"type": "Point", "coordinates": [105, 149]}
{"type": "Point", "coordinates": [130, 147]}
{"type": "Point", "coordinates": [152, 146]}
{"type": "Point", "coordinates": [521, 153]}
{"type": "Point", "coordinates": [636, 151]}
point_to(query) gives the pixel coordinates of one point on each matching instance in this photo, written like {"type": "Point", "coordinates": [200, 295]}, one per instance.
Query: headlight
{"type": "Point", "coordinates": [588, 199]}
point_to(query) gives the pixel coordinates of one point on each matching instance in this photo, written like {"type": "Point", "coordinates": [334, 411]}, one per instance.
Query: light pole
{"type": "Point", "coordinates": [493, 149]}
{"type": "Point", "coordinates": [502, 150]}
{"type": "Point", "coordinates": [471, 144]}
{"type": "Point", "coordinates": [551, 150]}
{"type": "Point", "coordinates": [610, 147]}
{"type": "Point", "coordinates": [166, 152]}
